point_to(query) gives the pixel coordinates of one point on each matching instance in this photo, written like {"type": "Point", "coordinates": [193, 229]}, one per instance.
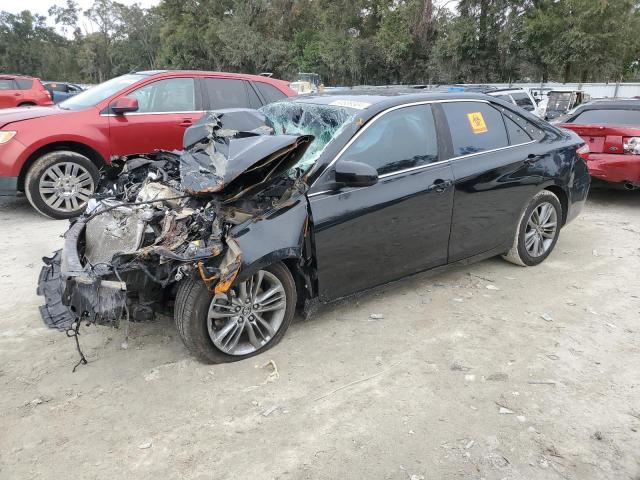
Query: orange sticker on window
{"type": "Point", "coordinates": [476, 120]}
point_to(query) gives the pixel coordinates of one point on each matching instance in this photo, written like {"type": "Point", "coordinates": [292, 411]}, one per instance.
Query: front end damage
{"type": "Point", "coordinates": [160, 217]}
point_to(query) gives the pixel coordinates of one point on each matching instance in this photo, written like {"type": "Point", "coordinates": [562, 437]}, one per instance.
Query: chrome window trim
{"type": "Point", "coordinates": [397, 107]}
{"type": "Point", "coordinates": [492, 150]}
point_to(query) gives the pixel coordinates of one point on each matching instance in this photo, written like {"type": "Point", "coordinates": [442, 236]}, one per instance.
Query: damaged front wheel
{"type": "Point", "coordinates": [248, 319]}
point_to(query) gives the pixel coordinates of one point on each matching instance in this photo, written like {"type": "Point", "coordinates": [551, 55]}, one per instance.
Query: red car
{"type": "Point", "coordinates": [53, 154]}
{"type": "Point", "coordinates": [611, 130]}
{"type": "Point", "coordinates": [21, 91]}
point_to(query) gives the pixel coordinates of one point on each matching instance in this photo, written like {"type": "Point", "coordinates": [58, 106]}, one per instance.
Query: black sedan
{"type": "Point", "coordinates": [317, 197]}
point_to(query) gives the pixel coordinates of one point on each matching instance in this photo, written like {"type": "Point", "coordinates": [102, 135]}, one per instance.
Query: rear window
{"type": "Point", "coordinates": [475, 127]}
{"type": "Point", "coordinates": [226, 93]}
{"type": "Point", "coordinates": [269, 92]}
{"type": "Point", "coordinates": [56, 87]}
{"type": "Point", "coordinates": [608, 117]}
{"type": "Point", "coordinates": [24, 83]}
{"type": "Point", "coordinates": [6, 84]}
{"type": "Point", "coordinates": [523, 101]}
{"type": "Point", "coordinates": [506, 98]}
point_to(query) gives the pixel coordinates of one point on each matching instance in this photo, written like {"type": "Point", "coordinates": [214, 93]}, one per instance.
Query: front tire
{"type": "Point", "coordinates": [59, 184]}
{"type": "Point", "coordinates": [249, 319]}
{"type": "Point", "coordinates": [538, 230]}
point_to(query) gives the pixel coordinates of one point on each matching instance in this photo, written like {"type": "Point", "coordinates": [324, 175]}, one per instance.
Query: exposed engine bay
{"type": "Point", "coordinates": [159, 217]}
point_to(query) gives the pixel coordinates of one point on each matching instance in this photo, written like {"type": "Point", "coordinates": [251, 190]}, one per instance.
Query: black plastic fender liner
{"type": "Point", "coordinates": [50, 286]}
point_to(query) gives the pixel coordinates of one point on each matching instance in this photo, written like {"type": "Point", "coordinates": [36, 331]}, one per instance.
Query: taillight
{"type": "Point", "coordinates": [631, 145]}
{"type": "Point", "coordinates": [583, 152]}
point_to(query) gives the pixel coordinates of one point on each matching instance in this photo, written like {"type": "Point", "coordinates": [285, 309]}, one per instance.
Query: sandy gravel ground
{"type": "Point", "coordinates": [462, 378]}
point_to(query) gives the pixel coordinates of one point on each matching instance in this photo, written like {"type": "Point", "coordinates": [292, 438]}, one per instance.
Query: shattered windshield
{"type": "Point", "coordinates": [324, 122]}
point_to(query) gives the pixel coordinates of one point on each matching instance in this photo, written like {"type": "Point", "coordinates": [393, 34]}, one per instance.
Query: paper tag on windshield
{"type": "Point", "coordinates": [476, 120]}
{"type": "Point", "coordinates": [350, 104]}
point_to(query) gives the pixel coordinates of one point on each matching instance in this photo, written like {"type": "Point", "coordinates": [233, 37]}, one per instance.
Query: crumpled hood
{"type": "Point", "coordinates": [11, 115]}
{"type": "Point", "coordinates": [234, 151]}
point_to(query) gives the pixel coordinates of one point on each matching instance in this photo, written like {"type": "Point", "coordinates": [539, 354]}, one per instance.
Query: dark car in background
{"type": "Point", "coordinates": [53, 154]}
{"type": "Point", "coordinates": [61, 91]}
{"type": "Point", "coordinates": [611, 130]}
{"type": "Point", "coordinates": [312, 198]}
{"type": "Point", "coordinates": [22, 91]}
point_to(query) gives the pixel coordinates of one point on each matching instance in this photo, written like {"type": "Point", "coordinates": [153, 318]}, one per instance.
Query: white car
{"type": "Point", "coordinates": [519, 97]}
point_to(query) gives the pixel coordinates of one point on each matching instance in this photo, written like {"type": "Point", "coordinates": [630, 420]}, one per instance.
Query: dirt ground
{"type": "Point", "coordinates": [461, 378]}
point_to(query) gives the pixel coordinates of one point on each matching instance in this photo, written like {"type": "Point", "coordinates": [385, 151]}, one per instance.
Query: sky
{"type": "Point", "coordinates": [42, 6]}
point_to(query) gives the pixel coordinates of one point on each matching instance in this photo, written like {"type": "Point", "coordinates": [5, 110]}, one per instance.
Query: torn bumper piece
{"type": "Point", "coordinates": [71, 293]}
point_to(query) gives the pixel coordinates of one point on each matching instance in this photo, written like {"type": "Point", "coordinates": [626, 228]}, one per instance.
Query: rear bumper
{"type": "Point", "coordinates": [71, 292]}
{"type": "Point", "coordinates": [8, 186]}
{"type": "Point", "coordinates": [615, 168]}
{"type": "Point", "coordinates": [578, 191]}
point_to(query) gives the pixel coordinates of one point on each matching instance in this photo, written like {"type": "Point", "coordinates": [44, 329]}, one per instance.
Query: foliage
{"type": "Point", "coordinates": [348, 42]}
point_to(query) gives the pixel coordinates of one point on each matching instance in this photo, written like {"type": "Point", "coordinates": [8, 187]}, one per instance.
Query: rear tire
{"type": "Point", "coordinates": [195, 324]}
{"type": "Point", "coordinates": [59, 184]}
{"type": "Point", "coordinates": [27, 104]}
{"type": "Point", "coordinates": [538, 230]}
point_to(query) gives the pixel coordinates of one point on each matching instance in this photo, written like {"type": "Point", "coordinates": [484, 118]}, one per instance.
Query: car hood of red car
{"type": "Point", "coordinates": [12, 115]}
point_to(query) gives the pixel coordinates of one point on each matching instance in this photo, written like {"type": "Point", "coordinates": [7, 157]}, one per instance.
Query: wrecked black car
{"type": "Point", "coordinates": [311, 198]}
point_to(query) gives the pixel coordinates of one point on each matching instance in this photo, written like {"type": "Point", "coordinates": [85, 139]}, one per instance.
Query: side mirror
{"type": "Point", "coordinates": [355, 174]}
{"type": "Point", "coordinates": [124, 105]}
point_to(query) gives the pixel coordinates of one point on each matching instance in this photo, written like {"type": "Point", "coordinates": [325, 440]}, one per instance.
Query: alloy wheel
{"type": "Point", "coordinates": [249, 316]}
{"type": "Point", "coordinates": [541, 229]}
{"type": "Point", "coordinates": [66, 186]}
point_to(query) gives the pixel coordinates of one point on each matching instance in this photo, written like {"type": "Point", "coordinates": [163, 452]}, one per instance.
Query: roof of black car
{"type": "Point", "coordinates": [362, 99]}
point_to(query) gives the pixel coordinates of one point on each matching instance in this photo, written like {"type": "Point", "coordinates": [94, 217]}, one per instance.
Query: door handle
{"type": "Point", "coordinates": [532, 158]}
{"type": "Point", "coordinates": [186, 122]}
{"type": "Point", "coordinates": [439, 185]}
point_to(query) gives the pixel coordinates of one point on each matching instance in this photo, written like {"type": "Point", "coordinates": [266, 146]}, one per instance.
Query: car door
{"type": "Point", "coordinates": [165, 109]}
{"type": "Point", "coordinates": [9, 93]}
{"type": "Point", "coordinates": [223, 93]}
{"type": "Point", "coordinates": [370, 235]}
{"type": "Point", "coordinates": [495, 162]}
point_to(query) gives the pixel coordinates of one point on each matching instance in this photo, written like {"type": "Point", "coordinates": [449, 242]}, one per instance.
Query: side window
{"type": "Point", "coordinates": [523, 101]}
{"type": "Point", "coordinates": [401, 139]}
{"type": "Point", "coordinates": [475, 127]}
{"type": "Point", "coordinates": [269, 92]}
{"type": "Point", "coordinates": [532, 131]}
{"type": "Point", "coordinates": [170, 95]}
{"type": "Point", "coordinates": [6, 84]}
{"type": "Point", "coordinates": [226, 93]}
{"type": "Point", "coordinates": [517, 135]}
{"type": "Point", "coordinates": [254, 100]}
{"type": "Point", "coordinates": [24, 83]}
{"type": "Point", "coordinates": [57, 87]}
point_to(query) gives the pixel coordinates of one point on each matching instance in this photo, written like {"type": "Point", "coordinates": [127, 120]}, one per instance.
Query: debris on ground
{"type": "Point", "coordinates": [270, 410]}
{"type": "Point", "coordinates": [376, 316]}
{"type": "Point", "coordinates": [498, 377]}
{"type": "Point", "coordinates": [274, 375]}
{"type": "Point", "coordinates": [456, 366]}
{"type": "Point", "coordinates": [546, 317]}
{"type": "Point", "coordinates": [145, 445]}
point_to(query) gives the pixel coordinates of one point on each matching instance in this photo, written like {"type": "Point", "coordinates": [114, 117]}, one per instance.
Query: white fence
{"type": "Point", "coordinates": [595, 90]}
